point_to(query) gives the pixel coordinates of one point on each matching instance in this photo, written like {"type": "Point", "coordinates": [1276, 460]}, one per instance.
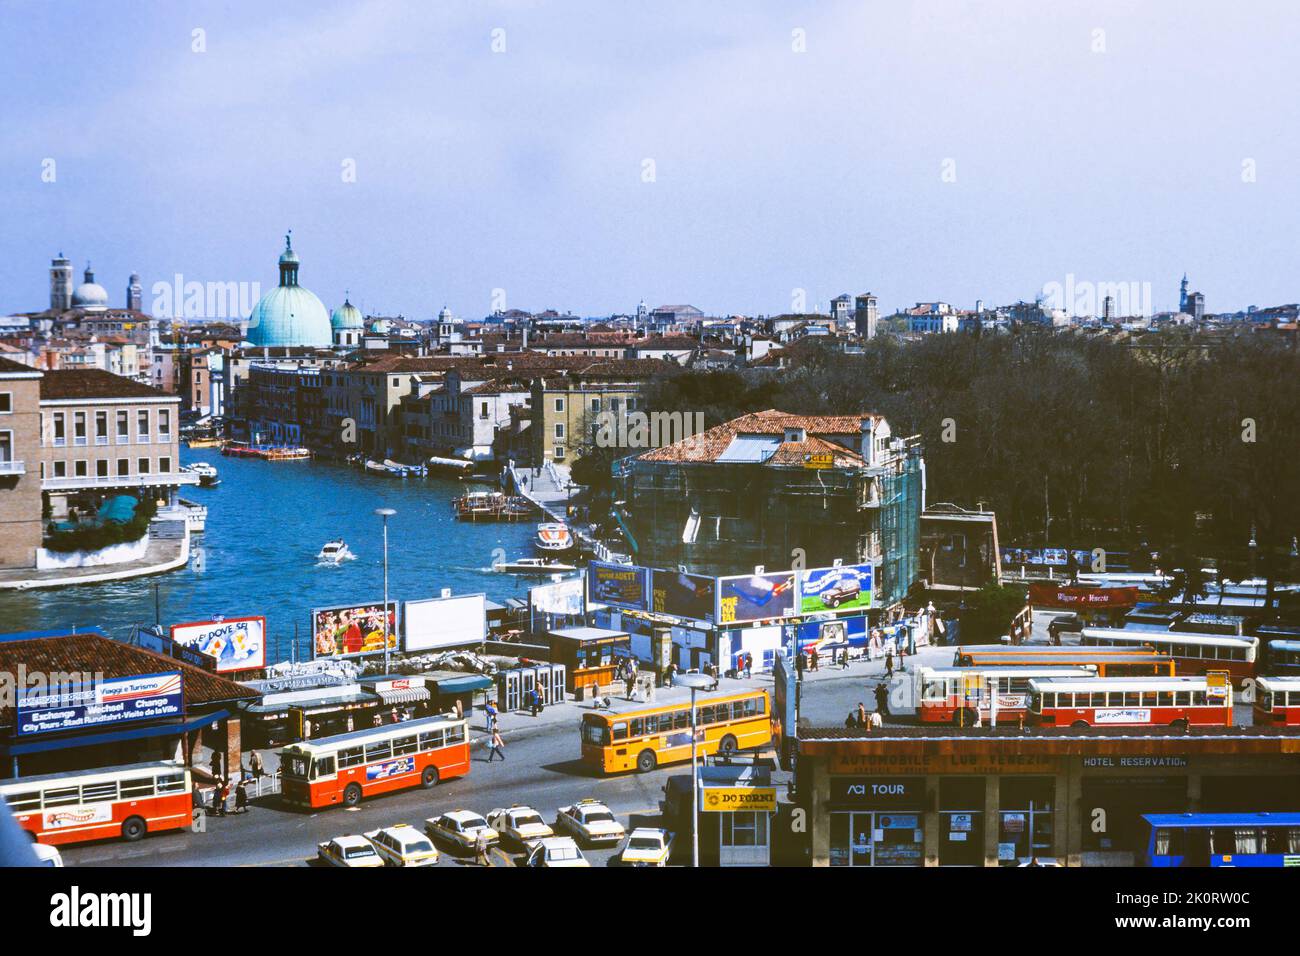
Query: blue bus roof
{"type": "Point", "coordinates": [1285, 645]}
{"type": "Point", "coordinates": [1288, 819]}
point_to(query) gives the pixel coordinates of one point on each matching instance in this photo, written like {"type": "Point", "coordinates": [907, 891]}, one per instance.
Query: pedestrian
{"type": "Point", "coordinates": [490, 709]}
{"type": "Point", "coordinates": [889, 663]}
{"type": "Point", "coordinates": [498, 748]}
{"type": "Point", "coordinates": [535, 700]}
{"type": "Point", "coordinates": [670, 674]}
{"type": "Point", "coordinates": [460, 709]}
{"type": "Point", "coordinates": [749, 665]}
{"type": "Point", "coordinates": [396, 717]}
{"type": "Point", "coordinates": [629, 680]}
{"type": "Point", "coordinates": [862, 714]}
{"type": "Point", "coordinates": [481, 849]}
{"type": "Point", "coordinates": [882, 697]}
{"type": "Point", "coordinates": [815, 656]}
{"type": "Point", "coordinates": [851, 721]}
{"type": "Point", "coordinates": [255, 765]}
{"type": "Point", "coordinates": [196, 799]}
{"type": "Point", "coordinates": [241, 797]}
{"type": "Point", "coordinates": [215, 764]}
{"type": "Point", "coordinates": [306, 729]}
{"type": "Point", "coordinates": [873, 721]}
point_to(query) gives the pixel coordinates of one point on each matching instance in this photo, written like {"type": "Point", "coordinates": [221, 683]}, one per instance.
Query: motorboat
{"type": "Point", "coordinates": [533, 566]}
{"type": "Point", "coordinates": [554, 536]}
{"type": "Point", "coordinates": [208, 477]}
{"type": "Point", "coordinates": [335, 552]}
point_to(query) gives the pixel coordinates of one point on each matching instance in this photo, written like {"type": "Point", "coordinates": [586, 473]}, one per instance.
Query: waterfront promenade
{"type": "Point", "coordinates": [166, 551]}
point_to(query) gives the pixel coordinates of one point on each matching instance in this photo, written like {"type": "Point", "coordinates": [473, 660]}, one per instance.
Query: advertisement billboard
{"type": "Point", "coordinates": [690, 596]}
{"type": "Point", "coordinates": [559, 597]}
{"type": "Point", "coordinates": [351, 630]}
{"type": "Point", "coordinates": [111, 701]}
{"type": "Point", "coordinates": [835, 589]}
{"type": "Point", "coordinates": [756, 597]}
{"type": "Point", "coordinates": [445, 622]}
{"type": "Point", "coordinates": [237, 643]}
{"type": "Point", "coordinates": [618, 585]}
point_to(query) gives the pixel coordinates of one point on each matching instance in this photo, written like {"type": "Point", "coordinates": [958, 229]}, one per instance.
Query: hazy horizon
{"type": "Point", "coordinates": [927, 151]}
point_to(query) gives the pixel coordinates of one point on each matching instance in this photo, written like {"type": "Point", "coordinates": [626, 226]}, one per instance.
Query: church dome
{"type": "Point", "coordinates": [347, 316]}
{"type": "Point", "coordinates": [90, 294]}
{"type": "Point", "coordinates": [289, 314]}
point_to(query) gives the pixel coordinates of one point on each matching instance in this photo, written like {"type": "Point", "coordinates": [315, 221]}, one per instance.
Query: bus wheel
{"type": "Point", "coordinates": [1080, 723]}
{"type": "Point", "coordinates": [429, 778]}
{"type": "Point", "coordinates": [351, 795]}
{"type": "Point", "coordinates": [727, 745]}
{"type": "Point", "coordinates": [133, 828]}
{"type": "Point", "coordinates": [646, 761]}
{"type": "Point", "coordinates": [1179, 724]}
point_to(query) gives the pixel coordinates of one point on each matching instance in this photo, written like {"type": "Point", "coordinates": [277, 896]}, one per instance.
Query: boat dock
{"type": "Point", "coordinates": [550, 490]}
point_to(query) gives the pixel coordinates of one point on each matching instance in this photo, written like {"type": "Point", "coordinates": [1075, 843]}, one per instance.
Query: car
{"type": "Point", "coordinates": [590, 821]}
{"type": "Point", "coordinates": [519, 825]}
{"type": "Point", "coordinates": [845, 589]}
{"type": "Point", "coordinates": [350, 851]}
{"type": "Point", "coordinates": [403, 845]}
{"type": "Point", "coordinates": [555, 852]}
{"type": "Point", "coordinates": [47, 855]}
{"type": "Point", "coordinates": [460, 828]}
{"type": "Point", "coordinates": [647, 846]}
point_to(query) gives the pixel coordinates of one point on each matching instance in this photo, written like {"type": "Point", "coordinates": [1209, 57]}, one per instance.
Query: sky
{"type": "Point", "coordinates": [743, 157]}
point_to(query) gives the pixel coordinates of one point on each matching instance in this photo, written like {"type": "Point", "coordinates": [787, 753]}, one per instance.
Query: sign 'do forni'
{"type": "Point", "coordinates": [736, 799]}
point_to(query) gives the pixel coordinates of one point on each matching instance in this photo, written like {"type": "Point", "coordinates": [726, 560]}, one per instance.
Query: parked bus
{"type": "Point", "coordinates": [1133, 702]}
{"type": "Point", "coordinates": [1128, 664]}
{"type": "Point", "coordinates": [643, 739]}
{"type": "Point", "coordinates": [962, 655]}
{"type": "Point", "coordinates": [1192, 653]}
{"type": "Point", "coordinates": [364, 763]}
{"type": "Point", "coordinates": [1277, 701]}
{"type": "Point", "coordinates": [1220, 839]}
{"type": "Point", "coordinates": [1283, 657]}
{"type": "Point", "coordinates": [957, 695]}
{"type": "Point", "coordinates": [106, 803]}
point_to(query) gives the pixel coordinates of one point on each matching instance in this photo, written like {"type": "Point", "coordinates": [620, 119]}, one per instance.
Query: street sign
{"type": "Point", "coordinates": [735, 799]}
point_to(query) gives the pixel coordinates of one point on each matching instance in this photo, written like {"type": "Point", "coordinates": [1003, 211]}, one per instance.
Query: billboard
{"type": "Point", "coordinates": [237, 643]}
{"type": "Point", "coordinates": [445, 622]}
{"type": "Point", "coordinates": [618, 585]}
{"type": "Point", "coordinates": [559, 597]}
{"type": "Point", "coordinates": [110, 701]}
{"type": "Point", "coordinates": [756, 597]}
{"type": "Point", "coordinates": [1075, 597]}
{"type": "Point", "coordinates": [350, 630]}
{"type": "Point", "coordinates": [835, 589]}
{"type": "Point", "coordinates": [683, 595]}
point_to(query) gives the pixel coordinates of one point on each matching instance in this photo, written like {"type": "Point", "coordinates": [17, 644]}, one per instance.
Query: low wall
{"type": "Point", "coordinates": [538, 652]}
{"type": "Point", "coordinates": [113, 554]}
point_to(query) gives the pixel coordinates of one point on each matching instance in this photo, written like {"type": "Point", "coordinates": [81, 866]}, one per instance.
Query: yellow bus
{"type": "Point", "coordinates": [643, 739]}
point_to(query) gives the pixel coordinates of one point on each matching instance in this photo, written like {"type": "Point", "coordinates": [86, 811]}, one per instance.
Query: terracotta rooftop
{"type": "Point", "coordinates": [93, 653]}
{"type": "Point", "coordinates": [8, 365]}
{"type": "Point", "coordinates": [66, 384]}
{"type": "Point", "coordinates": [709, 446]}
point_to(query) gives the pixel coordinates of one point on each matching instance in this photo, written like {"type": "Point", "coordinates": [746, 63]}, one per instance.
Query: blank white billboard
{"type": "Point", "coordinates": [445, 622]}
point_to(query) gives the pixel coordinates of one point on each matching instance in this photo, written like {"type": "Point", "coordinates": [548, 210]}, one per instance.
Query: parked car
{"type": "Point", "coordinates": [519, 825]}
{"type": "Point", "coordinates": [590, 821]}
{"type": "Point", "coordinates": [403, 845]}
{"type": "Point", "coordinates": [555, 852]}
{"type": "Point", "coordinates": [647, 846]}
{"type": "Point", "coordinates": [349, 851]}
{"type": "Point", "coordinates": [460, 828]}
{"type": "Point", "coordinates": [48, 855]}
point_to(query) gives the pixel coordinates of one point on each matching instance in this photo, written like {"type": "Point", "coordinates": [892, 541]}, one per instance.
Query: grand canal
{"type": "Point", "coordinates": [266, 523]}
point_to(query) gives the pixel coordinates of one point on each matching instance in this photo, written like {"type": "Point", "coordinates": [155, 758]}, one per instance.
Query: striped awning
{"type": "Point", "coordinates": [410, 695]}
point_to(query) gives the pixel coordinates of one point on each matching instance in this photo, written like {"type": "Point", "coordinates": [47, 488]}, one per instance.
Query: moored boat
{"type": "Point", "coordinates": [533, 566]}
{"type": "Point", "coordinates": [554, 536]}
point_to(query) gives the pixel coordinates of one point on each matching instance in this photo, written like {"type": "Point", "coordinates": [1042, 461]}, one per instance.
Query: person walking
{"type": "Point", "coordinates": [815, 657]}
{"type": "Point", "coordinates": [498, 748]}
{"type": "Point", "coordinates": [882, 697]}
{"type": "Point", "coordinates": [215, 764]}
{"type": "Point", "coordinates": [889, 663]}
{"type": "Point", "coordinates": [255, 765]}
{"type": "Point", "coordinates": [670, 675]}
{"type": "Point", "coordinates": [481, 850]}
{"type": "Point", "coordinates": [862, 714]}
{"type": "Point", "coordinates": [241, 797]}
{"type": "Point", "coordinates": [629, 680]}
{"type": "Point", "coordinates": [873, 720]}
{"type": "Point", "coordinates": [490, 709]}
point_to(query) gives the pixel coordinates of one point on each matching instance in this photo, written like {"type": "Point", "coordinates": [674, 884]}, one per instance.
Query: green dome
{"type": "Point", "coordinates": [347, 316]}
{"type": "Point", "coordinates": [290, 315]}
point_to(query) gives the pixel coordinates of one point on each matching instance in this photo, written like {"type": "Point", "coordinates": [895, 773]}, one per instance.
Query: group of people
{"type": "Point", "coordinates": [221, 784]}
{"type": "Point", "coordinates": [861, 718]}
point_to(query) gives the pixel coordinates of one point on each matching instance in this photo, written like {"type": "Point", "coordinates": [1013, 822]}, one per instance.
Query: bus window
{"type": "Point", "coordinates": [18, 802]}
{"type": "Point", "coordinates": [1166, 698]}
{"type": "Point", "coordinates": [620, 730]}
{"type": "Point", "coordinates": [322, 767]}
{"type": "Point", "coordinates": [706, 714]}
{"type": "Point", "coordinates": [681, 720]}
{"type": "Point", "coordinates": [139, 787]}
{"type": "Point", "coordinates": [171, 783]}
{"type": "Point", "coordinates": [1097, 699]}
{"type": "Point", "coordinates": [737, 709]}
{"type": "Point", "coordinates": [1148, 698]}
{"type": "Point", "coordinates": [1182, 698]}
{"type": "Point", "coordinates": [63, 797]}
{"type": "Point", "coordinates": [751, 707]}
{"type": "Point", "coordinates": [404, 745]}
{"type": "Point", "coordinates": [1132, 699]}
{"type": "Point", "coordinates": [596, 731]}
{"type": "Point", "coordinates": [638, 727]}
{"type": "Point", "coordinates": [380, 750]}
{"type": "Point", "coordinates": [351, 757]}
{"type": "Point", "coordinates": [99, 792]}
{"type": "Point", "coordinates": [456, 734]}
{"type": "Point", "coordinates": [1198, 698]}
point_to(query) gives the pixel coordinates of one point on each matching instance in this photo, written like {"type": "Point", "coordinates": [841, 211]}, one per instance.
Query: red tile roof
{"type": "Point", "coordinates": [712, 443]}
{"type": "Point", "coordinates": [93, 383]}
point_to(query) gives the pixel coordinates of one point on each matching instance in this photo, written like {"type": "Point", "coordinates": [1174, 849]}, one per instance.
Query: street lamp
{"type": "Point", "coordinates": [385, 513]}
{"type": "Point", "coordinates": [694, 682]}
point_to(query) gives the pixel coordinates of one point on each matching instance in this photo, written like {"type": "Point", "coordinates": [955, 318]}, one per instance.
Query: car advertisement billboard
{"type": "Point", "coordinates": [618, 585]}
{"type": "Point", "coordinates": [110, 701]}
{"type": "Point", "coordinates": [756, 597]}
{"type": "Point", "coordinates": [835, 589]}
{"type": "Point", "coordinates": [690, 596]}
{"type": "Point", "coordinates": [351, 630]}
{"type": "Point", "coordinates": [237, 643]}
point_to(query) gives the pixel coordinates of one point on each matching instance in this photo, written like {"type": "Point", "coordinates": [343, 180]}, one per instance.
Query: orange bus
{"type": "Point", "coordinates": [106, 803]}
{"type": "Point", "coordinates": [364, 763]}
{"type": "Point", "coordinates": [644, 738]}
{"type": "Point", "coordinates": [1127, 664]}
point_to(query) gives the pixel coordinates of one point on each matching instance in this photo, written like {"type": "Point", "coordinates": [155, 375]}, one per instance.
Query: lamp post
{"type": "Point", "coordinates": [385, 513]}
{"type": "Point", "coordinates": [694, 682]}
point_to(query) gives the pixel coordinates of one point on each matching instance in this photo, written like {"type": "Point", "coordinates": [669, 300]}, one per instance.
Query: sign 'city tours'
{"type": "Point", "coordinates": [942, 763]}
{"type": "Point", "coordinates": [735, 799]}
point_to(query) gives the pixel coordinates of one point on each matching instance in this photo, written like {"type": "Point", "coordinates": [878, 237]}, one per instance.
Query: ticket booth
{"type": "Point", "coordinates": [590, 655]}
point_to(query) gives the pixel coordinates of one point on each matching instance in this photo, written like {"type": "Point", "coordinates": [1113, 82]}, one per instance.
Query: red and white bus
{"type": "Point", "coordinates": [956, 695]}
{"type": "Point", "coordinates": [1277, 701]}
{"type": "Point", "coordinates": [1133, 702]}
{"type": "Point", "coordinates": [101, 804]}
{"type": "Point", "coordinates": [364, 763]}
{"type": "Point", "coordinates": [1192, 653]}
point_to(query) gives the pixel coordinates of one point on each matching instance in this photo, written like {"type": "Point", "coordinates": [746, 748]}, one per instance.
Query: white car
{"type": "Point", "coordinates": [349, 851]}
{"type": "Point", "coordinates": [403, 845]}
{"type": "Point", "coordinates": [460, 828]}
{"type": "Point", "coordinates": [556, 852]}
{"type": "Point", "coordinates": [520, 825]}
{"type": "Point", "coordinates": [590, 821]}
{"type": "Point", "coordinates": [647, 846]}
{"type": "Point", "coordinates": [47, 855]}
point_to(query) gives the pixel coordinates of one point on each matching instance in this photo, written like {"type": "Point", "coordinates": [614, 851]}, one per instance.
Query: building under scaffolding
{"type": "Point", "coordinates": [782, 491]}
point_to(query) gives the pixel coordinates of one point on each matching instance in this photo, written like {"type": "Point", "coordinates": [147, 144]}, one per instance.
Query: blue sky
{"type": "Point", "coordinates": [774, 170]}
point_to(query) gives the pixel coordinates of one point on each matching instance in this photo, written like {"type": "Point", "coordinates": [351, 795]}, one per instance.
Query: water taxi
{"type": "Point", "coordinates": [335, 552]}
{"type": "Point", "coordinates": [554, 536]}
{"type": "Point", "coordinates": [208, 477]}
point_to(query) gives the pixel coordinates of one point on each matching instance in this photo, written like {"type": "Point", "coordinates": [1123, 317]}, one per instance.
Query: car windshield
{"type": "Point", "coordinates": [562, 853]}
{"type": "Point", "coordinates": [643, 843]}
{"type": "Point", "coordinates": [357, 852]}
{"type": "Point", "coordinates": [419, 846]}
{"type": "Point", "coordinates": [527, 819]}
{"type": "Point", "coordinates": [599, 816]}
{"type": "Point", "coordinates": [469, 823]}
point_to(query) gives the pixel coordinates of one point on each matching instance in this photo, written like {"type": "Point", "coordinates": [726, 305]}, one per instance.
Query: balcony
{"type": "Point", "coordinates": [166, 479]}
{"type": "Point", "coordinates": [12, 468]}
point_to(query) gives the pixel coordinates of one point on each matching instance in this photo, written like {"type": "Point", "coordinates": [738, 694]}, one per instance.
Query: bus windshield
{"type": "Point", "coordinates": [595, 731]}
{"type": "Point", "coordinates": [295, 765]}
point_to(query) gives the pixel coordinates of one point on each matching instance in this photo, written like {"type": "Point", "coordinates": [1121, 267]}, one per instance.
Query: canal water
{"type": "Point", "coordinates": [266, 523]}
